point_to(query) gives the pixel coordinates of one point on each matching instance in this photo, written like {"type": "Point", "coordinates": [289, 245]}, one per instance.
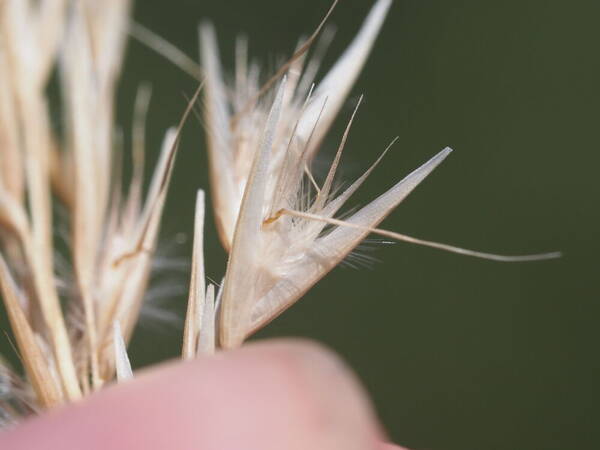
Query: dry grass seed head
{"type": "Point", "coordinates": [277, 237]}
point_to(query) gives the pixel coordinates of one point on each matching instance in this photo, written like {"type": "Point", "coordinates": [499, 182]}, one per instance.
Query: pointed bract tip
{"type": "Point", "coordinates": [384, 4]}
{"type": "Point", "coordinates": [379, 10]}
{"type": "Point", "coordinates": [436, 159]}
{"type": "Point", "coordinates": [122, 364]}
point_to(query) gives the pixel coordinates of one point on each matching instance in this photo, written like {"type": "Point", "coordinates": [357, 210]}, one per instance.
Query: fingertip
{"type": "Point", "coordinates": [386, 446]}
{"type": "Point", "coordinates": [273, 395]}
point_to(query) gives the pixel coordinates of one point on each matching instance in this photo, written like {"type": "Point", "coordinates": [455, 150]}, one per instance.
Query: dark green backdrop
{"type": "Point", "coordinates": [457, 353]}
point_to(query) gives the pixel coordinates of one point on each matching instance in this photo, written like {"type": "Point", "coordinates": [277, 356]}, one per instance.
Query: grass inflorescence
{"type": "Point", "coordinates": [280, 225]}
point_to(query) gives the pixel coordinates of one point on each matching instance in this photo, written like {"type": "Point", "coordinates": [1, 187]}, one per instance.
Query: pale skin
{"type": "Point", "coordinates": [291, 395]}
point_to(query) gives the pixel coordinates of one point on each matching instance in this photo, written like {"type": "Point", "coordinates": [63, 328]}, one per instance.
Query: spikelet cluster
{"type": "Point", "coordinates": [65, 336]}
{"type": "Point", "coordinates": [278, 223]}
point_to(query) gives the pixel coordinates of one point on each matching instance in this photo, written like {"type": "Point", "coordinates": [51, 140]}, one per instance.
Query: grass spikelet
{"type": "Point", "coordinates": [277, 222]}
{"type": "Point", "coordinates": [231, 126]}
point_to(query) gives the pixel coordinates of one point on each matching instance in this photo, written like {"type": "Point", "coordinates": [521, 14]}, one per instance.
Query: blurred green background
{"type": "Point", "coordinates": [458, 353]}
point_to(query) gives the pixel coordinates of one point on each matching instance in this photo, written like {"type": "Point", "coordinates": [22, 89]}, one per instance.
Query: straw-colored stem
{"type": "Point", "coordinates": [36, 146]}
